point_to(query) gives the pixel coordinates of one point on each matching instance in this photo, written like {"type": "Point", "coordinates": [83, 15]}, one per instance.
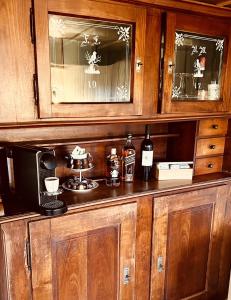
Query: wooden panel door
{"type": "Point", "coordinates": [183, 87]}
{"type": "Point", "coordinates": [88, 82]}
{"type": "Point", "coordinates": [187, 237]}
{"type": "Point", "coordinates": [89, 255]}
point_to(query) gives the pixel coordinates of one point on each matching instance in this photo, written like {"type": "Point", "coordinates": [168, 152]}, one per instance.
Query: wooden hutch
{"type": "Point", "coordinates": [87, 72]}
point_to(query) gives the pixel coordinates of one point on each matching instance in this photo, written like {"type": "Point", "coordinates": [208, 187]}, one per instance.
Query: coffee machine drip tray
{"type": "Point", "coordinates": [53, 208]}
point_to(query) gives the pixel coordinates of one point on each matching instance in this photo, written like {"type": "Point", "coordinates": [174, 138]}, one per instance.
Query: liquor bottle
{"type": "Point", "coordinates": [113, 169]}
{"type": "Point", "coordinates": [147, 155]}
{"type": "Point", "coordinates": [128, 160]}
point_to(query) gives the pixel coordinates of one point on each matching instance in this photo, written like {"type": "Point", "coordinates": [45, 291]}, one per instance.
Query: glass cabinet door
{"type": "Point", "coordinates": [198, 67]}
{"type": "Point", "coordinates": [89, 58]}
{"type": "Point", "coordinates": [195, 64]}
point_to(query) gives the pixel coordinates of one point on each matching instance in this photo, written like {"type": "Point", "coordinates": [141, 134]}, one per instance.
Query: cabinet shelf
{"type": "Point", "coordinates": [103, 140]}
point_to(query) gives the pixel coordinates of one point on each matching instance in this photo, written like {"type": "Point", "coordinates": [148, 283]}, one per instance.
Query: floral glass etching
{"type": "Point", "coordinates": [90, 60]}
{"type": "Point", "coordinates": [198, 67]}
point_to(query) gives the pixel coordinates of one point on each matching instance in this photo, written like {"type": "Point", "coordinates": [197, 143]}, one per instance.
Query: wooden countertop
{"type": "Point", "coordinates": [126, 192]}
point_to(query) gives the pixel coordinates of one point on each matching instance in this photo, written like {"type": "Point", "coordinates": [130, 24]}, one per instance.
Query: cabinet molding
{"type": "Point", "coordinates": [187, 234]}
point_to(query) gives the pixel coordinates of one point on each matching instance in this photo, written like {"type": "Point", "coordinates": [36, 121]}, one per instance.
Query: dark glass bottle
{"type": "Point", "coordinates": [113, 169]}
{"type": "Point", "coordinates": [147, 155]}
{"type": "Point", "coordinates": [128, 160]}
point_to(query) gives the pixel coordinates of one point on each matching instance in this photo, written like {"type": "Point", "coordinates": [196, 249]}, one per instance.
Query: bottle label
{"type": "Point", "coordinates": [129, 166]}
{"type": "Point", "coordinates": [114, 173]}
{"type": "Point", "coordinates": [128, 160]}
{"type": "Point", "coordinates": [147, 158]}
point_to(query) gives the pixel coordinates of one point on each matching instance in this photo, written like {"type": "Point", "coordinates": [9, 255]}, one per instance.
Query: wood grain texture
{"type": "Point", "coordinates": [187, 5]}
{"type": "Point", "coordinates": [70, 265]}
{"type": "Point", "coordinates": [213, 127]}
{"type": "Point", "coordinates": [17, 62]}
{"type": "Point", "coordinates": [151, 63]}
{"type": "Point", "coordinates": [103, 263]}
{"type": "Point", "coordinates": [159, 240]}
{"type": "Point", "coordinates": [41, 260]}
{"type": "Point", "coordinates": [224, 274]}
{"type": "Point", "coordinates": [15, 282]}
{"type": "Point", "coordinates": [188, 250]}
{"type": "Point", "coordinates": [143, 248]}
{"type": "Point", "coordinates": [210, 146]}
{"type": "Point", "coordinates": [208, 165]}
{"type": "Point", "coordinates": [88, 255]}
{"type": "Point", "coordinates": [3, 274]}
{"type": "Point", "coordinates": [187, 233]}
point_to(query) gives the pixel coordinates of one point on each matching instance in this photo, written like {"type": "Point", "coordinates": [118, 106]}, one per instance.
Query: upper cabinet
{"type": "Point", "coordinates": [89, 58]}
{"type": "Point", "coordinates": [196, 62]}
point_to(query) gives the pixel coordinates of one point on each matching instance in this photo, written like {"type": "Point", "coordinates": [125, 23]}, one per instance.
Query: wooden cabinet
{"type": "Point", "coordinates": [90, 57]}
{"type": "Point", "coordinates": [17, 63]}
{"type": "Point", "coordinates": [89, 255]}
{"type": "Point", "coordinates": [187, 243]}
{"type": "Point", "coordinates": [210, 145]}
{"type": "Point", "coordinates": [196, 63]}
{"type": "Point", "coordinates": [98, 254]}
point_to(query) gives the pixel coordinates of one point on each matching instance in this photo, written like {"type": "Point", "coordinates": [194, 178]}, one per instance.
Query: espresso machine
{"type": "Point", "coordinates": [31, 165]}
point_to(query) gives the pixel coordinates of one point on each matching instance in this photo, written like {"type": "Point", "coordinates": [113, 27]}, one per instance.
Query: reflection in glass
{"type": "Point", "coordinates": [198, 67]}
{"type": "Point", "coordinates": [90, 60]}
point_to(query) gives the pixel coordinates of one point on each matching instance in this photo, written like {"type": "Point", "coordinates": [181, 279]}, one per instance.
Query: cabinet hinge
{"type": "Point", "coordinates": [35, 88]}
{"type": "Point", "coordinates": [28, 255]}
{"type": "Point", "coordinates": [32, 27]}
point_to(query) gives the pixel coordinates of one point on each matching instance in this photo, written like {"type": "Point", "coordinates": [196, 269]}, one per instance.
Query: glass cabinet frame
{"type": "Point", "coordinates": [108, 12]}
{"type": "Point", "coordinates": [197, 25]}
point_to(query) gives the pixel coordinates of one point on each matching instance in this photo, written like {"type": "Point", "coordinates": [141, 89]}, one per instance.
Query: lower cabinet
{"type": "Point", "coordinates": [170, 248]}
{"type": "Point", "coordinates": [187, 244]}
{"type": "Point", "coordinates": [89, 255]}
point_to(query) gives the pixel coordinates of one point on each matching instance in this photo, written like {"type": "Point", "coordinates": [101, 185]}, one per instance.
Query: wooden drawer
{"type": "Point", "coordinates": [210, 146]}
{"type": "Point", "coordinates": [214, 126]}
{"type": "Point", "coordinates": [208, 165]}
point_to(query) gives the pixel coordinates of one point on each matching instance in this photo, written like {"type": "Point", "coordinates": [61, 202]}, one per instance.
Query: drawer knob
{"type": "Point", "coordinates": [210, 166]}
{"type": "Point", "coordinates": [215, 126]}
{"type": "Point", "coordinates": [212, 146]}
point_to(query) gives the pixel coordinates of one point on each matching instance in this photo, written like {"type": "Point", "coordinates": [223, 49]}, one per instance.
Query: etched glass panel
{"type": "Point", "coordinates": [90, 60]}
{"type": "Point", "coordinates": [198, 67]}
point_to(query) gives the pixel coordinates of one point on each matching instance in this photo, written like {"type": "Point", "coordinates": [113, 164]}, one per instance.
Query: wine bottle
{"type": "Point", "coordinates": [147, 155]}
{"type": "Point", "coordinates": [128, 160]}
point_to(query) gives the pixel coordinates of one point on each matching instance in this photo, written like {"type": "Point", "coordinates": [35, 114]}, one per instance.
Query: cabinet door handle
{"type": "Point", "coordinates": [215, 126]}
{"type": "Point", "coordinates": [160, 264]}
{"type": "Point", "coordinates": [212, 146]}
{"type": "Point", "coordinates": [210, 166]}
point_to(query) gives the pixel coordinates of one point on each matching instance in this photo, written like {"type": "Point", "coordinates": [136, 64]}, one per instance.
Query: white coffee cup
{"type": "Point", "coordinates": [52, 184]}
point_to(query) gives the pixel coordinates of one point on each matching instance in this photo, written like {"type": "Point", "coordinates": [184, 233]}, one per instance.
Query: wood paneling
{"type": "Point", "coordinates": [15, 283]}
{"type": "Point", "coordinates": [86, 267]}
{"type": "Point", "coordinates": [106, 240]}
{"type": "Point", "coordinates": [187, 234]}
{"type": "Point", "coordinates": [17, 62]}
{"type": "Point", "coordinates": [189, 6]}
{"type": "Point", "coordinates": [212, 127]}
{"type": "Point", "coordinates": [151, 63]}
{"type": "Point", "coordinates": [188, 249]}
{"type": "Point", "coordinates": [143, 250]}
{"type": "Point", "coordinates": [208, 165]}
{"type": "Point", "coordinates": [210, 146]}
